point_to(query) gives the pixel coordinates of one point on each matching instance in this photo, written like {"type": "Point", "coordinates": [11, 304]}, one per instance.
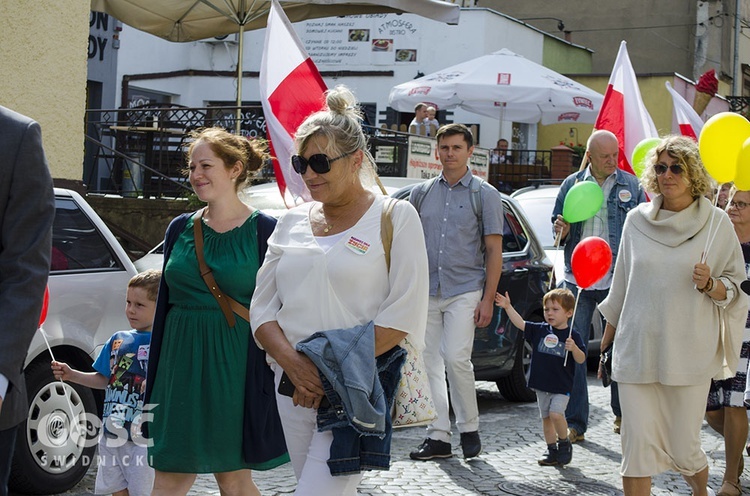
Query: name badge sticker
{"type": "Point", "coordinates": [550, 340]}
{"type": "Point", "coordinates": [357, 245]}
{"type": "Point", "coordinates": [625, 195]}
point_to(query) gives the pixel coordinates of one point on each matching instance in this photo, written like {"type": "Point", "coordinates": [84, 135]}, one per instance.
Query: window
{"type": "Point", "coordinates": [76, 243]}
{"type": "Point", "coordinates": [514, 238]}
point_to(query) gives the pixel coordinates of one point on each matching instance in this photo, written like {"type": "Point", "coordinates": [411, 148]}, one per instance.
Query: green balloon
{"type": "Point", "coordinates": [640, 151]}
{"type": "Point", "coordinates": [582, 202]}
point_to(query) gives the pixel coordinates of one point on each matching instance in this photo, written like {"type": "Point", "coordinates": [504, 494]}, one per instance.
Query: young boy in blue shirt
{"type": "Point", "coordinates": [121, 370]}
{"type": "Point", "coordinates": [549, 375]}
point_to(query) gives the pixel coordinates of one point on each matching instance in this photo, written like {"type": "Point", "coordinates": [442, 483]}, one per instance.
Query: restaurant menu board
{"type": "Point", "coordinates": [372, 39]}
{"type": "Point", "coordinates": [422, 160]}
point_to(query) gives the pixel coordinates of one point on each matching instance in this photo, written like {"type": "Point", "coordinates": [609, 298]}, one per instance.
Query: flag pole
{"type": "Point", "coordinates": [240, 45]}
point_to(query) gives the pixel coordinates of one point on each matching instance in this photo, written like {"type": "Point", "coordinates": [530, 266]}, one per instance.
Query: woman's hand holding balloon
{"type": "Point", "coordinates": [701, 276]}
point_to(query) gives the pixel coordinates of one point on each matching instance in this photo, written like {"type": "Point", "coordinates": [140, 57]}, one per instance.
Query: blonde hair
{"type": "Point", "coordinates": [148, 280]}
{"type": "Point", "coordinates": [341, 124]}
{"type": "Point", "coordinates": [685, 150]}
{"type": "Point", "coordinates": [563, 296]}
{"type": "Point", "coordinates": [232, 148]}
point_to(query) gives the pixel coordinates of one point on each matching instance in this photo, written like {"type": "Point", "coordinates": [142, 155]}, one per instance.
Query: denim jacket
{"type": "Point", "coordinates": [625, 195]}
{"type": "Point", "coordinates": [360, 389]}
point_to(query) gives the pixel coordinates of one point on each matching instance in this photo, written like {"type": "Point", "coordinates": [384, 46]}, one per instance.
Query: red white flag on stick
{"type": "Point", "coordinates": [291, 89]}
{"type": "Point", "coordinates": [687, 118]}
{"type": "Point", "coordinates": [623, 112]}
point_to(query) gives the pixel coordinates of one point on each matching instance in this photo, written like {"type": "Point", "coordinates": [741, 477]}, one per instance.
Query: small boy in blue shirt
{"type": "Point", "coordinates": [551, 341]}
{"type": "Point", "coordinates": [121, 370]}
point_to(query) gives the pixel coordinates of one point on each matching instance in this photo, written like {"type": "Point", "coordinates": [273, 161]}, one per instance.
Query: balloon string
{"type": "Point", "coordinates": [73, 416]}
{"type": "Point", "coordinates": [712, 237]}
{"type": "Point", "coordinates": [554, 258]}
{"type": "Point", "coordinates": [572, 319]}
{"type": "Point", "coordinates": [709, 239]}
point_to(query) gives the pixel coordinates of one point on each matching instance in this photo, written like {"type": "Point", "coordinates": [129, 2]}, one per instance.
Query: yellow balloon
{"type": "Point", "coordinates": [742, 178]}
{"type": "Point", "coordinates": [720, 142]}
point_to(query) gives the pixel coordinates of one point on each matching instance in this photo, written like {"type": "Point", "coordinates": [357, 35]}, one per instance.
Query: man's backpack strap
{"type": "Point", "coordinates": [475, 192]}
{"type": "Point", "coordinates": [420, 191]}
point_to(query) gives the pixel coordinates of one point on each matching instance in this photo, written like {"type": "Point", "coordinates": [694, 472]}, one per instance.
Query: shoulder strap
{"type": "Point", "coordinates": [421, 190]}
{"type": "Point", "coordinates": [229, 306]}
{"type": "Point", "coordinates": [386, 229]}
{"type": "Point", "coordinates": [475, 197]}
{"type": "Point", "coordinates": [475, 189]}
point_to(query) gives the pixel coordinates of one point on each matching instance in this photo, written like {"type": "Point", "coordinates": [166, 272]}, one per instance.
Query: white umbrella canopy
{"type": "Point", "coordinates": [191, 20]}
{"type": "Point", "coordinates": [502, 85]}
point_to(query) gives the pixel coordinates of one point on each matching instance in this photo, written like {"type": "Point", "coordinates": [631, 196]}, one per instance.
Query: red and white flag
{"type": "Point", "coordinates": [291, 89]}
{"type": "Point", "coordinates": [687, 118]}
{"type": "Point", "coordinates": [623, 112]}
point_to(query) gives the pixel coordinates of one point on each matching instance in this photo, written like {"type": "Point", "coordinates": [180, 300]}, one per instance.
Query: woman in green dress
{"type": "Point", "coordinates": [209, 388]}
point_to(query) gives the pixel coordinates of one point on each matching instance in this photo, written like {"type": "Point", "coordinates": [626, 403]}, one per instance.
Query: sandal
{"type": "Point", "coordinates": [729, 488]}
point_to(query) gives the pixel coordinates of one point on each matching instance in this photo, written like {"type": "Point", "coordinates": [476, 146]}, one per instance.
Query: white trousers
{"type": "Point", "coordinates": [309, 450]}
{"type": "Point", "coordinates": [449, 340]}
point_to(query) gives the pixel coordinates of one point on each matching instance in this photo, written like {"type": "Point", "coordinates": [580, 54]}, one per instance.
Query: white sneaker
{"type": "Point", "coordinates": [710, 491]}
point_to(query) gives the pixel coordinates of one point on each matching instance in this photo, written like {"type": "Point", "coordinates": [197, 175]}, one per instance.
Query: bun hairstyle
{"type": "Point", "coordinates": [232, 148]}
{"type": "Point", "coordinates": [341, 123]}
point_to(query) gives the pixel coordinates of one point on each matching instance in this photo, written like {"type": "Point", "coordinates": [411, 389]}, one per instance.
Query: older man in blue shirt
{"type": "Point", "coordinates": [622, 192]}
{"type": "Point", "coordinates": [464, 241]}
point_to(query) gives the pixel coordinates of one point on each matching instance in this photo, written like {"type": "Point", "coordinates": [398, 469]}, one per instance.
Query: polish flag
{"type": "Point", "coordinates": [623, 112]}
{"type": "Point", "coordinates": [687, 118]}
{"type": "Point", "coordinates": [291, 89]}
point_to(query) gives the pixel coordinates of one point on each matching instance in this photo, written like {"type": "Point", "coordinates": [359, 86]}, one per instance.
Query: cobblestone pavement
{"type": "Point", "coordinates": [512, 438]}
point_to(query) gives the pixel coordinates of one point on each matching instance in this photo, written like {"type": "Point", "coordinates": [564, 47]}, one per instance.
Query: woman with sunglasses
{"type": "Point", "coordinates": [725, 411]}
{"type": "Point", "coordinates": [208, 380]}
{"type": "Point", "coordinates": [676, 318]}
{"type": "Point", "coordinates": [325, 271]}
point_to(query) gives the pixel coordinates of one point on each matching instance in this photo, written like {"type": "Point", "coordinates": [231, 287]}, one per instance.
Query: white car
{"type": "Point", "coordinates": [87, 286]}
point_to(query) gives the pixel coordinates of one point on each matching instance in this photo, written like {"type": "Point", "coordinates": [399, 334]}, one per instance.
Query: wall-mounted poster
{"type": "Point", "coordinates": [367, 40]}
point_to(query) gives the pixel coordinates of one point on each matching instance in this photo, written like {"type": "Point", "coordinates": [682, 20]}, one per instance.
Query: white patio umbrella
{"type": "Point", "coordinates": [503, 85]}
{"type": "Point", "coordinates": [191, 20]}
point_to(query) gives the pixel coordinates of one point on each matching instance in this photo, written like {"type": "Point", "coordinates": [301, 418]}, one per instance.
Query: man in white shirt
{"type": "Point", "coordinates": [418, 125]}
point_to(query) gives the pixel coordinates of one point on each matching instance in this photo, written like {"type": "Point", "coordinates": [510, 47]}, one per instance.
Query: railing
{"type": "Point", "coordinates": [518, 168]}
{"type": "Point", "coordinates": [139, 152]}
{"type": "Point", "coordinates": [739, 104]}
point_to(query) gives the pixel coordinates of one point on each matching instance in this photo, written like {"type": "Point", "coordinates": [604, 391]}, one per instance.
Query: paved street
{"type": "Point", "coordinates": [512, 439]}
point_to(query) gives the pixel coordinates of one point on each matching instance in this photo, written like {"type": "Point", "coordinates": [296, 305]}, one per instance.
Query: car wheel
{"type": "Point", "coordinates": [49, 456]}
{"type": "Point", "coordinates": [513, 387]}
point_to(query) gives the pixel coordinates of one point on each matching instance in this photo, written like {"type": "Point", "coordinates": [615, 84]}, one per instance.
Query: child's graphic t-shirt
{"type": "Point", "coordinates": [124, 361]}
{"type": "Point", "coordinates": [547, 371]}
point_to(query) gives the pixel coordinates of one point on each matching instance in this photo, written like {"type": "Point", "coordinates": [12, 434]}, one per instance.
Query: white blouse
{"type": "Point", "coordinates": [308, 289]}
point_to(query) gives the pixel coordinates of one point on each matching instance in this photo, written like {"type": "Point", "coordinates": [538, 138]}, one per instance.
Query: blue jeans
{"type": "Point", "coordinates": [577, 413]}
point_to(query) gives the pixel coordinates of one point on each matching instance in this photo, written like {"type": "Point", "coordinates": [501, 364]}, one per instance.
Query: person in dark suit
{"type": "Point", "coordinates": [27, 208]}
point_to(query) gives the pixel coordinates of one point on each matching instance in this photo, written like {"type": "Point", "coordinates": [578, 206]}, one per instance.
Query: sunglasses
{"type": "Point", "coordinates": [319, 163]}
{"type": "Point", "coordinates": [661, 169]}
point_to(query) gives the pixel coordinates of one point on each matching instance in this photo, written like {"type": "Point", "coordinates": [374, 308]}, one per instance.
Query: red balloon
{"type": "Point", "coordinates": [591, 260]}
{"type": "Point", "coordinates": [45, 307]}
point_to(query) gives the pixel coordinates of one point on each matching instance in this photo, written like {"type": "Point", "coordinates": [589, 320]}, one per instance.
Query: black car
{"type": "Point", "coordinates": [500, 353]}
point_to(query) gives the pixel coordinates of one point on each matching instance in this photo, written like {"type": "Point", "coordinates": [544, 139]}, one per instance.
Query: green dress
{"type": "Point", "coordinates": [200, 382]}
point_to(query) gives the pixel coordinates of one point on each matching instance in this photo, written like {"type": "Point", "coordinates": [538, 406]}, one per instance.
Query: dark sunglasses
{"type": "Point", "coordinates": [661, 169]}
{"type": "Point", "coordinates": [319, 163]}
